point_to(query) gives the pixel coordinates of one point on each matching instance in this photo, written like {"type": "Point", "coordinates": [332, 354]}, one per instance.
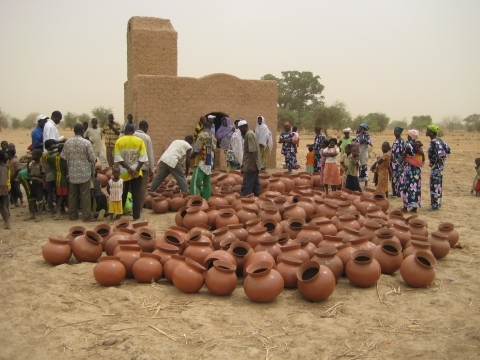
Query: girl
{"type": "Point", "coordinates": [289, 149]}
{"type": "Point", "coordinates": [363, 140]}
{"type": "Point", "coordinates": [411, 181]}
{"type": "Point", "coordinates": [310, 160]}
{"type": "Point", "coordinates": [115, 191]}
{"type": "Point", "coordinates": [331, 174]}
{"type": "Point", "coordinates": [351, 182]}
{"type": "Point", "coordinates": [317, 144]}
{"type": "Point", "coordinates": [382, 169]}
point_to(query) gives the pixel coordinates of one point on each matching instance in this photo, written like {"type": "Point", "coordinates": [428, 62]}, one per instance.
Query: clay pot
{"type": "Point", "coordinates": [288, 269]}
{"type": "Point", "coordinates": [315, 282]}
{"type": "Point", "coordinates": [264, 180]}
{"type": "Point", "coordinates": [448, 229]}
{"type": "Point", "coordinates": [113, 240]}
{"type": "Point", "coordinates": [359, 217]}
{"type": "Point", "coordinates": [252, 224]}
{"type": "Point", "coordinates": [317, 179]}
{"type": "Point", "coordinates": [197, 234]}
{"type": "Point", "coordinates": [376, 212]}
{"type": "Point", "coordinates": [380, 200]}
{"type": "Point", "coordinates": [294, 211]}
{"type": "Point", "coordinates": [258, 257]}
{"type": "Point", "coordinates": [385, 234]}
{"type": "Point", "coordinates": [194, 215]}
{"type": "Point", "coordinates": [212, 214]}
{"type": "Point", "coordinates": [369, 228]}
{"type": "Point", "coordinates": [307, 205]}
{"type": "Point", "coordinates": [160, 205]}
{"type": "Point", "coordinates": [109, 271]}
{"type": "Point", "coordinates": [418, 227]}
{"type": "Point", "coordinates": [389, 256]}
{"type": "Point", "coordinates": [402, 232]}
{"type": "Point", "coordinates": [326, 227]}
{"type": "Point", "coordinates": [57, 251]}
{"type": "Point", "coordinates": [347, 221]}
{"type": "Point", "coordinates": [229, 196]}
{"type": "Point", "coordinates": [197, 200]}
{"type": "Point", "coordinates": [287, 180]}
{"type": "Point", "coordinates": [327, 256]}
{"type": "Point", "coordinates": [272, 226]}
{"type": "Point", "coordinates": [281, 203]}
{"type": "Point", "coordinates": [270, 212]}
{"type": "Point", "coordinates": [245, 214]}
{"type": "Point", "coordinates": [221, 234]}
{"type": "Point", "coordinates": [73, 232]}
{"type": "Point", "coordinates": [180, 215]}
{"type": "Point", "coordinates": [241, 252]}
{"type": "Point", "coordinates": [171, 265]}
{"type": "Point", "coordinates": [362, 269]}
{"type": "Point", "coordinates": [329, 208]}
{"type": "Point", "coordinates": [363, 204]}
{"type": "Point", "coordinates": [418, 269]}
{"type": "Point", "coordinates": [198, 250]}
{"type": "Point", "coordinates": [139, 224]}
{"type": "Point", "coordinates": [345, 252]}
{"type": "Point", "coordinates": [276, 185]}
{"type": "Point", "coordinates": [121, 225]}
{"type": "Point", "coordinates": [203, 228]}
{"type": "Point", "coordinates": [395, 217]}
{"type": "Point", "coordinates": [173, 238]}
{"type": "Point", "coordinates": [165, 251]}
{"type": "Point", "coordinates": [270, 245]}
{"type": "Point", "coordinates": [104, 231]}
{"type": "Point", "coordinates": [378, 220]}
{"type": "Point", "coordinates": [346, 206]}
{"type": "Point", "coordinates": [176, 203]}
{"type": "Point", "coordinates": [293, 227]}
{"type": "Point", "coordinates": [145, 238]}
{"type": "Point", "coordinates": [329, 240]}
{"type": "Point", "coordinates": [221, 279]}
{"type": "Point", "coordinates": [415, 245]}
{"type": "Point", "coordinates": [311, 232]}
{"type": "Point", "coordinates": [124, 242]}
{"type": "Point", "coordinates": [283, 239]}
{"type": "Point", "coordinates": [222, 255]}
{"type": "Point", "coordinates": [256, 234]}
{"type": "Point", "coordinates": [128, 254]}
{"type": "Point", "coordinates": [87, 247]}
{"type": "Point", "coordinates": [148, 268]}
{"type": "Point", "coordinates": [188, 277]}
{"type": "Point", "coordinates": [293, 250]}
{"type": "Point", "coordinates": [217, 199]}
{"type": "Point", "coordinates": [440, 245]}
{"type": "Point", "coordinates": [225, 244]}
{"type": "Point", "coordinates": [238, 231]}
{"type": "Point", "coordinates": [306, 245]}
{"type": "Point", "coordinates": [263, 283]}
{"type": "Point", "coordinates": [226, 217]}
{"type": "Point", "coordinates": [362, 243]}
{"type": "Point", "coordinates": [348, 234]}
{"type": "Point", "coordinates": [416, 238]}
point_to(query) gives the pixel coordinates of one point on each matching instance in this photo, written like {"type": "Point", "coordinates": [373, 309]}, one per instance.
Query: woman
{"type": "Point", "coordinates": [224, 133]}
{"type": "Point", "coordinates": [317, 143]}
{"type": "Point", "coordinates": [288, 148]}
{"type": "Point", "coordinates": [396, 165]}
{"type": "Point", "coordinates": [411, 179]}
{"type": "Point", "coordinates": [363, 140]}
{"type": "Point", "coordinates": [382, 169]}
{"type": "Point", "coordinates": [347, 139]}
{"type": "Point", "coordinates": [264, 136]}
{"type": "Point", "coordinates": [331, 174]}
{"type": "Point", "coordinates": [437, 154]}
{"type": "Point", "coordinates": [234, 154]}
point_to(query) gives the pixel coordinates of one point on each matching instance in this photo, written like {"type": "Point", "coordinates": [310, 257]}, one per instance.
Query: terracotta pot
{"type": "Point", "coordinates": [229, 196]}
{"type": "Point", "coordinates": [315, 282]}
{"type": "Point", "coordinates": [362, 269]}
{"type": "Point", "coordinates": [283, 239]}
{"type": "Point", "coordinates": [194, 236]}
{"type": "Point", "coordinates": [293, 227]}
{"type": "Point", "coordinates": [241, 252]}
{"type": "Point", "coordinates": [311, 232]}
{"type": "Point", "coordinates": [238, 231]}
{"type": "Point", "coordinates": [395, 217]}
{"type": "Point", "coordinates": [378, 220]}
{"type": "Point", "coordinates": [252, 223]}
{"type": "Point", "coordinates": [327, 256]}
{"type": "Point", "coordinates": [203, 228]}
{"type": "Point", "coordinates": [219, 235]}
{"type": "Point", "coordinates": [109, 271]}
{"type": "Point", "coordinates": [362, 243]}
{"type": "Point", "coordinates": [57, 251]}
{"type": "Point", "coordinates": [245, 214]}
{"type": "Point", "coordinates": [369, 228]}
{"type": "Point", "coordinates": [363, 204]}
{"type": "Point", "coordinates": [104, 231]}
{"type": "Point", "coordinates": [359, 217]}
{"type": "Point", "coordinates": [145, 238]}
{"type": "Point", "coordinates": [270, 245]}
{"type": "Point", "coordinates": [194, 215]}
{"type": "Point", "coordinates": [281, 203]}
{"type": "Point", "coordinates": [225, 244]}
{"type": "Point", "coordinates": [294, 211]}
{"type": "Point", "coordinates": [389, 256]}
{"type": "Point", "coordinates": [293, 250]}
{"type": "Point", "coordinates": [165, 251]}
{"type": "Point", "coordinates": [307, 205]}
{"type": "Point", "coordinates": [346, 206]}
{"type": "Point", "coordinates": [440, 245]}
{"type": "Point", "coordinates": [329, 240]}
{"type": "Point", "coordinates": [329, 208]}
{"type": "Point", "coordinates": [416, 245]}
{"type": "Point", "coordinates": [256, 234]}
{"type": "Point", "coordinates": [128, 254]}
{"type": "Point", "coordinates": [171, 265]}
{"type": "Point", "coordinates": [180, 215]}
{"type": "Point", "coordinates": [376, 211]}
{"type": "Point", "coordinates": [276, 185]}
{"type": "Point", "coordinates": [258, 257]}
{"type": "Point", "coordinates": [402, 232]}
{"type": "Point", "coordinates": [264, 180]}
{"type": "Point", "coordinates": [122, 242]}
{"type": "Point", "coordinates": [148, 268]}
{"type": "Point", "coordinates": [198, 250]}
{"type": "Point", "coordinates": [176, 203]}
{"type": "Point", "coordinates": [270, 212]}
{"type": "Point", "coordinates": [418, 227]}
{"type": "Point", "coordinates": [317, 179]}
{"type": "Point", "coordinates": [263, 283]}
{"type": "Point", "coordinates": [121, 225]}
{"type": "Point", "coordinates": [416, 238]}
{"type": "Point", "coordinates": [288, 182]}
{"type": "Point", "coordinates": [380, 200]}
{"type": "Point", "coordinates": [385, 234]}
{"type": "Point", "coordinates": [272, 226]}
{"type": "Point", "coordinates": [197, 200]}
{"type": "Point", "coordinates": [87, 247]}
{"type": "Point", "coordinates": [306, 245]}
{"type": "Point", "coordinates": [73, 232]}
{"type": "Point", "coordinates": [345, 252]}
{"type": "Point", "coordinates": [113, 240]}
{"type": "Point", "coordinates": [326, 227]}
{"type": "Point", "coordinates": [448, 229]}
{"type": "Point", "coordinates": [221, 278]}
{"type": "Point", "coordinates": [226, 217]}
{"type": "Point", "coordinates": [217, 199]}
{"type": "Point", "coordinates": [173, 238]}
{"type": "Point", "coordinates": [348, 234]}
{"type": "Point", "coordinates": [347, 221]}
{"type": "Point", "coordinates": [188, 277]}
{"type": "Point", "coordinates": [288, 269]}
{"type": "Point", "coordinates": [212, 214]}
{"type": "Point", "coordinates": [222, 255]}
{"type": "Point", "coordinates": [418, 269]}
{"type": "Point", "coordinates": [160, 205]}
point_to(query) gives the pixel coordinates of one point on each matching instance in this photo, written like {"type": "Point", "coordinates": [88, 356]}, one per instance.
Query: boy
{"type": "Point", "coordinates": [15, 167]}
{"type": "Point", "coordinates": [36, 172]}
{"type": "Point", "coordinates": [4, 178]}
{"type": "Point", "coordinates": [59, 167]}
{"type": "Point", "coordinates": [100, 199]}
{"type": "Point", "coordinates": [351, 183]}
{"type": "Point", "coordinates": [310, 160]}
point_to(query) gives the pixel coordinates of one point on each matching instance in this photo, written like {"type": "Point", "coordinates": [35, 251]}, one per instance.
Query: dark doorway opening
{"type": "Point", "coordinates": [218, 118]}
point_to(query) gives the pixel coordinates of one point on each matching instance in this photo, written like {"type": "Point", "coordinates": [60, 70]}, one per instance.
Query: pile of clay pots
{"type": "Point", "coordinates": [292, 236]}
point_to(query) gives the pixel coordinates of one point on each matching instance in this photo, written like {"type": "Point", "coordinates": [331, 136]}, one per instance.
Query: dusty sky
{"type": "Point", "coordinates": [403, 58]}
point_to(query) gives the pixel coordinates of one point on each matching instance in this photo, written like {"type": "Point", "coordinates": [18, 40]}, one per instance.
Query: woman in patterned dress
{"type": "Point", "coordinates": [437, 154]}
{"type": "Point", "coordinates": [363, 140]}
{"type": "Point", "coordinates": [288, 148]}
{"type": "Point", "coordinates": [317, 143]}
{"type": "Point", "coordinates": [396, 165]}
{"type": "Point", "coordinates": [411, 179]}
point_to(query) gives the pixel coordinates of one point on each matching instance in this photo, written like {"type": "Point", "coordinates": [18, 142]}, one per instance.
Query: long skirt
{"type": "Point", "coordinates": [397, 172]}
{"type": "Point", "coordinates": [410, 186]}
{"type": "Point", "coordinates": [331, 174]}
{"type": "Point", "coordinates": [264, 152]}
{"type": "Point", "coordinates": [436, 179]}
{"type": "Point", "coordinates": [291, 161]}
{"type": "Point", "coordinates": [351, 183]}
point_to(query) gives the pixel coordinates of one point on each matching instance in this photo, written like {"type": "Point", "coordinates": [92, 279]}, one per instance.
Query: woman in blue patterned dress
{"type": "Point", "coordinates": [363, 140]}
{"type": "Point", "coordinates": [411, 180]}
{"type": "Point", "coordinates": [396, 164]}
{"type": "Point", "coordinates": [437, 154]}
{"type": "Point", "coordinates": [317, 144]}
{"type": "Point", "coordinates": [288, 148]}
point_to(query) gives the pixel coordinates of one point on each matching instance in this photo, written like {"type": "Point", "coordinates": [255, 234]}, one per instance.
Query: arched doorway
{"type": "Point", "coordinates": [218, 118]}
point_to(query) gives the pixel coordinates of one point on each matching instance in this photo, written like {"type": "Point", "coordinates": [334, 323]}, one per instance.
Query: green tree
{"type": "Point", "coordinates": [377, 121]}
{"type": "Point", "coordinates": [30, 121]}
{"type": "Point", "coordinates": [472, 122]}
{"type": "Point", "coordinates": [335, 116]}
{"type": "Point", "coordinates": [69, 120]}
{"type": "Point", "coordinates": [16, 123]}
{"type": "Point", "coordinates": [101, 114]}
{"type": "Point", "coordinates": [84, 118]}
{"type": "Point", "coordinates": [420, 122]}
{"type": "Point", "coordinates": [284, 116]}
{"type": "Point", "coordinates": [402, 123]}
{"type": "Point", "coordinates": [3, 120]}
{"type": "Point", "coordinates": [452, 123]}
{"type": "Point", "coordinates": [355, 123]}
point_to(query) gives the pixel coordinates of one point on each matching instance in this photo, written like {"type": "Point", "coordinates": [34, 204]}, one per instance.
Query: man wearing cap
{"type": "Point", "coordinates": [437, 155]}
{"type": "Point", "coordinates": [363, 140]}
{"type": "Point", "coordinates": [396, 163]}
{"type": "Point", "coordinates": [203, 155]}
{"type": "Point", "coordinates": [347, 139]}
{"type": "Point", "coordinates": [252, 162]}
{"type": "Point", "coordinates": [50, 131]}
{"type": "Point", "coordinates": [37, 132]}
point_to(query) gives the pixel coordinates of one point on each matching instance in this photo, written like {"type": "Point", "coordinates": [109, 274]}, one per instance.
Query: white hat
{"type": "Point", "coordinates": [347, 130]}
{"type": "Point", "coordinates": [242, 122]}
{"type": "Point", "coordinates": [211, 116]}
{"type": "Point", "coordinates": [41, 117]}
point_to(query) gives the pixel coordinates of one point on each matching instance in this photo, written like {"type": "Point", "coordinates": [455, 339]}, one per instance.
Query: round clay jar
{"type": "Point", "coordinates": [448, 229]}
{"type": "Point", "coordinates": [389, 256]}
{"type": "Point", "coordinates": [440, 245]}
{"type": "Point", "coordinates": [188, 277]}
{"type": "Point", "coordinates": [238, 231]}
{"type": "Point", "coordinates": [221, 278]}
{"type": "Point", "coordinates": [145, 238]}
{"type": "Point", "coordinates": [362, 269]}
{"type": "Point", "coordinates": [128, 254]}
{"type": "Point", "coordinates": [315, 282]}
{"type": "Point", "coordinates": [57, 251]}
{"type": "Point", "coordinates": [165, 251]}
{"type": "Point", "coordinates": [327, 256]}
{"type": "Point", "coordinates": [263, 283]}
{"type": "Point", "coordinates": [87, 247]}
{"type": "Point", "coordinates": [148, 268]}
{"type": "Point", "coordinates": [74, 232]}
{"type": "Point", "coordinates": [171, 265]}
{"type": "Point", "coordinates": [109, 271]}
{"type": "Point", "coordinates": [418, 269]}
{"type": "Point", "coordinates": [222, 255]}
{"type": "Point", "coordinates": [194, 215]}
{"type": "Point", "coordinates": [288, 267]}
{"type": "Point", "coordinates": [241, 251]}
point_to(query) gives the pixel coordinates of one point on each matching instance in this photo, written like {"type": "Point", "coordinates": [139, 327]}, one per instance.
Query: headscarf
{"type": "Point", "coordinates": [264, 134]}
{"type": "Point", "coordinates": [413, 134]}
{"type": "Point", "coordinates": [236, 143]}
{"type": "Point", "coordinates": [364, 125]}
{"type": "Point", "coordinates": [348, 130]}
{"type": "Point", "coordinates": [224, 130]}
{"type": "Point", "coordinates": [398, 128]}
{"type": "Point", "coordinates": [433, 128]}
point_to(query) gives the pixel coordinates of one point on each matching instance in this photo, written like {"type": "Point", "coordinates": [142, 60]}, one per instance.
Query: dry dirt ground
{"type": "Point", "coordinates": [61, 312]}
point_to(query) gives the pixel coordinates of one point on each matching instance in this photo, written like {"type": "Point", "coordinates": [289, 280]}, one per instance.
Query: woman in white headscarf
{"type": "Point", "coordinates": [265, 140]}
{"type": "Point", "coordinates": [234, 154]}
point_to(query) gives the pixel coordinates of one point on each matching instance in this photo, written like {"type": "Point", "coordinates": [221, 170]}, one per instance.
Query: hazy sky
{"type": "Point", "coordinates": [403, 58]}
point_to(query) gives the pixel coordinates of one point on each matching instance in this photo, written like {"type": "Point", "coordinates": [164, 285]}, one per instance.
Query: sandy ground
{"type": "Point", "coordinates": [61, 312]}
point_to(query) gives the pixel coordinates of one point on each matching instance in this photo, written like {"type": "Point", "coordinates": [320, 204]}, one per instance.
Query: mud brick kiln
{"type": "Point", "coordinates": [171, 104]}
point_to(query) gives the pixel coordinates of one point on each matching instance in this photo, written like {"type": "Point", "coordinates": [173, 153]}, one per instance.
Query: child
{"type": "Point", "coordinates": [295, 138]}
{"type": "Point", "coordinates": [4, 179]}
{"type": "Point", "coordinates": [476, 179]}
{"type": "Point", "coordinates": [382, 169]}
{"type": "Point", "coordinates": [15, 167]}
{"type": "Point", "coordinates": [36, 172]}
{"type": "Point", "coordinates": [49, 182]}
{"type": "Point", "coordinates": [115, 191]}
{"type": "Point", "coordinates": [331, 174]}
{"type": "Point", "coordinates": [4, 145]}
{"type": "Point", "coordinates": [59, 167]}
{"type": "Point", "coordinates": [347, 150]}
{"type": "Point", "coordinates": [310, 160]}
{"type": "Point", "coordinates": [353, 165]}
{"type": "Point", "coordinates": [100, 199]}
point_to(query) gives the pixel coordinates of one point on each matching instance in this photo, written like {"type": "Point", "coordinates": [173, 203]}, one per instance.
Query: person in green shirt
{"type": "Point", "coordinates": [347, 139]}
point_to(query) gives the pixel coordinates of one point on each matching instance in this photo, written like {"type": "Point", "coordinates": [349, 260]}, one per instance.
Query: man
{"type": "Point", "coordinates": [37, 132]}
{"type": "Point", "coordinates": [131, 153]}
{"type": "Point", "coordinates": [80, 158]}
{"type": "Point", "coordinates": [129, 121]}
{"type": "Point", "coordinates": [203, 155]}
{"type": "Point", "coordinates": [251, 161]}
{"type": "Point", "coordinates": [4, 145]}
{"type": "Point", "coordinates": [347, 139]}
{"type": "Point", "coordinates": [171, 163]}
{"type": "Point", "coordinates": [264, 136]}
{"type": "Point", "coordinates": [85, 128]}
{"type": "Point", "coordinates": [147, 167]}
{"type": "Point", "coordinates": [94, 135]}
{"type": "Point", "coordinates": [50, 131]}
{"type": "Point", "coordinates": [111, 130]}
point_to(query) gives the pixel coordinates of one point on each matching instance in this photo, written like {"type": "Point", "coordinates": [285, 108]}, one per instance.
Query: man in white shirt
{"type": "Point", "coordinates": [50, 131]}
{"type": "Point", "coordinates": [171, 163]}
{"type": "Point", "coordinates": [147, 167]}
{"type": "Point", "coordinates": [94, 135]}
